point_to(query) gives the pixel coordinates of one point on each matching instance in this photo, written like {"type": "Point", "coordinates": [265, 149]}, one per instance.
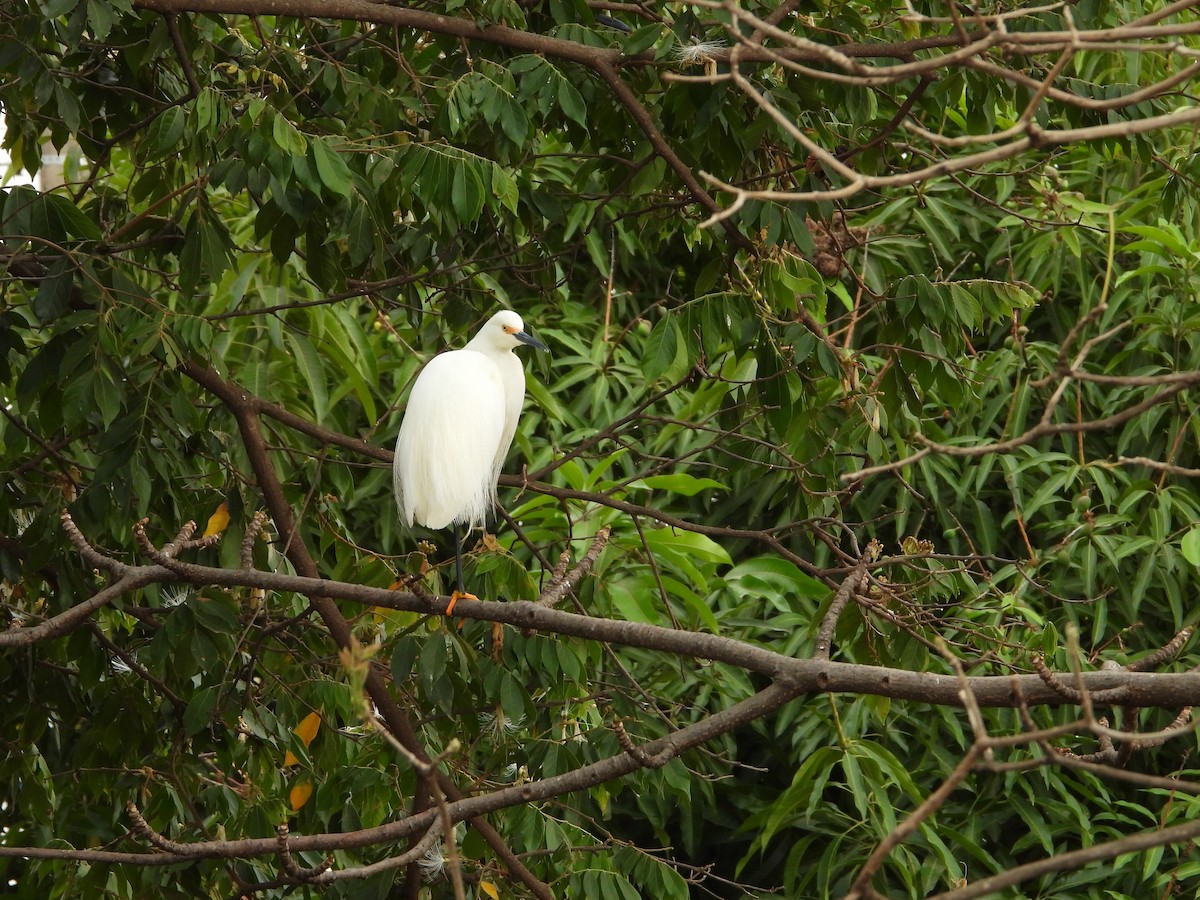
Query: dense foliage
{"type": "Point", "coordinates": [303, 210]}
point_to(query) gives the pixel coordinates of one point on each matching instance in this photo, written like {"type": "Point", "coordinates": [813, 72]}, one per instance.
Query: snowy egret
{"type": "Point", "coordinates": [460, 420]}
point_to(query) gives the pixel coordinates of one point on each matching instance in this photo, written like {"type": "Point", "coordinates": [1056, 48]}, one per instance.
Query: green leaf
{"type": "Point", "coordinates": [101, 18]}
{"type": "Point", "coordinates": [206, 250]}
{"type": "Point", "coordinates": [513, 698]}
{"type": "Point", "coordinates": [571, 102]}
{"type": "Point", "coordinates": [770, 576]}
{"type": "Point", "coordinates": [286, 136]}
{"type": "Point", "coordinates": [198, 713]}
{"type": "Point", "coordinates": [1190, 546]}
{"type": "Point", "coordinates": [403, 657]}
{"type": "Point", "coordinates": [56, 8]}
{"type": "Point", "coordinates": [467, 192]}
{"type": "Point", "coordinates": [306, 357]}
{"type": "Point", "coordinates": [662, 346]}
{"type": "Point", "coordinates": [53, 296]}
{"type": "Point", "coordinates": [361, 234]}
{"type": "Point", "coordinates": [634, 605]}
{"type": "Point", "coordinates": [804, 793]}
{"type": "Point", "coordinates": [641, 39]}
{"type": "Point", "coordinates": [700, 546]}
{"type": "Point", "coordinates": [431, 673]}
{"type": "Point", "coordinates": [217, 615]}
{"type": "Point", "coordinates": [166, 131]}
{"type": "Point", "coordinates": [679, 483]}
{"type": "Point", "coordinates": [106, 397]}
{"type": "Point", "coordinates": [504, 189]}
{"type": "Point", "coordinates": [70, 219]}
{"type": "Point", "coordinates": [334, 172]}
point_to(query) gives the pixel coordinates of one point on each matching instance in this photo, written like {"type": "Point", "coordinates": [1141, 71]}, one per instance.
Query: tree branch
{"type": "Point", "coordinates": [1119, 687]}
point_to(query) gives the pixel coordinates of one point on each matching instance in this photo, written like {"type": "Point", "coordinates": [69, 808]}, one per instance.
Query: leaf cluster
{"type": "Point", "coordinates": [312, 207]}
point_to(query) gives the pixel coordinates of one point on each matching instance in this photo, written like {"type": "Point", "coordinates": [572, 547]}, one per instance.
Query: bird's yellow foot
{"type": "Point", "coordinates": [455, 597]}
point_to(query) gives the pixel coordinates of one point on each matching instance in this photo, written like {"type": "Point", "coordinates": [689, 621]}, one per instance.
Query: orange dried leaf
{"type": "Point", "coordinates": [307, 729]}
{"type": "Point", "coordinates": [218, 521]}
{"type": "Point", "coordinates": [490, 889]}
{"type": "Point", "coordinates": [299, 795]}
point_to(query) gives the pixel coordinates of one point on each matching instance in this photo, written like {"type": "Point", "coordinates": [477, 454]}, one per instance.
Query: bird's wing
{"type": "Point", "coordinates": [445, 454]}
{"type": "Point", "coordinates": [512, 376]}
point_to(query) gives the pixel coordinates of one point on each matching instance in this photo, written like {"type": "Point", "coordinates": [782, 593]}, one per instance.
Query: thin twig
{"type": "Point", "coordinates": [849, 587]}
{"type": "Point", "coordinates": [560, 587]}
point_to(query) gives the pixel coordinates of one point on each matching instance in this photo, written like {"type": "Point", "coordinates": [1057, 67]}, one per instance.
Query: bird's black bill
{"type": "Point", "coordinates": [526, 338]}
{"type": "Point", "coordinates": [612, 23]}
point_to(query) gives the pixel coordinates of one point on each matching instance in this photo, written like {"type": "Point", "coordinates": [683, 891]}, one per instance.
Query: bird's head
{"type": "Point", "coordinates": [505, 331]}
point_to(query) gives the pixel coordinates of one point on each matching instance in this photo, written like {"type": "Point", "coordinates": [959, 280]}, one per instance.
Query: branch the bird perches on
{"type": "Point", "coordinates": [790, 678]}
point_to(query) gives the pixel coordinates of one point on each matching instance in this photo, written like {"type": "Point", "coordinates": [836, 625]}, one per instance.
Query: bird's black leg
{"type": "Point", "coordinates": [461, 592]}
{"type": "Point", "coordinates": [458, 558]}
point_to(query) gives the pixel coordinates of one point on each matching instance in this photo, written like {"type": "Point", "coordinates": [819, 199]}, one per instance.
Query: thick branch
{"type": "Point", "coordinates": [75, 617]}
{"type": "Point", "coordinates": [1143, 689]}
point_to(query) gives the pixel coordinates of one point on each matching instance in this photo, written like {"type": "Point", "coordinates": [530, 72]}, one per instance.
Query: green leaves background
{"type": "Point", "coordinates": [314, 207]}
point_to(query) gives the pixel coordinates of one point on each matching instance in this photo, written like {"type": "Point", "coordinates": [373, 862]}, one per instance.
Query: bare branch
{"type": "Point", "coordinates": [1164, 654]}
{"type": "Point", "coordinates": [253, 530]}
{"type": "Point", "coordinates": [649, 761]}
{"type": "Point", "coordinates": [1143, 689]}
{"type": "Point", "coordinates": [849, 587]}
{"type": "Point", "coordinates": [90, 554]}
{"type": "Point", "coordinates": [559, 587]}
{"type": "Point", "coordinates": [73, 618]}
{"type": "Point", "coordinates": [288, 864]}
{"type": "Point", "coordinates": [142, 827]}
{"type": "Point", "coordinates": [1044, 428]}
{"type": "Point", "coordinates": [1074, 859]}
{"type": "Point", "coordinates": [1170, 469]}
{"type": "Point", "coordinates": [472, 809]}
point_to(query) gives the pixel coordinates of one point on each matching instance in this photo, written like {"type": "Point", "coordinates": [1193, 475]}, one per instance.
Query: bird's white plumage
{"type": "Point", "coordinates": [457, 428]}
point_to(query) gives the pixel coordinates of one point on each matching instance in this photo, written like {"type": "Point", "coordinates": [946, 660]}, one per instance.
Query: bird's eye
{"type": "Point", "coordinates": [508, 329]}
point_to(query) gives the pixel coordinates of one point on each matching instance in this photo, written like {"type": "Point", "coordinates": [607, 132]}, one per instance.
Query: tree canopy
{"type": "Point", "coordinates": [848, 543]}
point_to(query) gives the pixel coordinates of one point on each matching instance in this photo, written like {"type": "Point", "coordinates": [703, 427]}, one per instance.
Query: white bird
{"type": "Point", "coordinates": [459, 423]}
